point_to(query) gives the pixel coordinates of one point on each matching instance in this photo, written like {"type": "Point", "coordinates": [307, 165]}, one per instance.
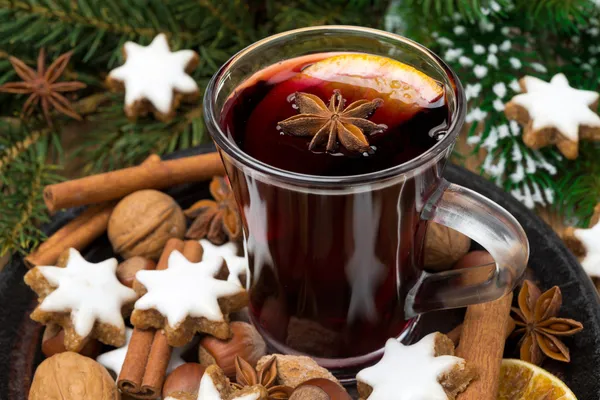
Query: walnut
{"type": "Point", "coordinates": [71, 376]}
{"type": "Point", "coordinates": [443, 247]}
{"type": "Point", "coordinates": [143, 222]}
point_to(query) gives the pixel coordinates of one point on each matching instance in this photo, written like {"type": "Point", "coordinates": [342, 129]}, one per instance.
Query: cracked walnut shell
{"type": "Point", "coordinates": [143, 222]}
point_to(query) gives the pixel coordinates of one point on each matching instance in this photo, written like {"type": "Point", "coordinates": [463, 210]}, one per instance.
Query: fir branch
{"type": "Point", "coordinates": [300, 13]}
{"type": "Point", "coordinates": [9, 151]}
{"type": "Point", "coordinates": [490, 56]}
{"type": "Point", "coordinates": [82, 15]}
{"type": "Point", "coordinates": [21, 186]}
{"type": "Point", "coordinates": [470, 10]}
{"type": "Point", "coordinates": [555, 15]}
{"type": "Point", "coordinates": [115, 142]}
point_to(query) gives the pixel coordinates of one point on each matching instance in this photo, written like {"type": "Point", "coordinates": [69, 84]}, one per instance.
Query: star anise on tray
{"type": "Point", "coordinates": [217, 221]}
{"type": "Point", "coordinates": [246, 375]}
{"type": "Point", "coordinates": [328, 125]}
{"type": "Point", "coordinates": [537, 318]}
{"type": "Point", "coordinates": [42, 86]}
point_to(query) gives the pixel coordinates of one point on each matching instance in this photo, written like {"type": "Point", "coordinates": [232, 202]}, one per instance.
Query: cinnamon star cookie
{"type": "Point", "coordinates": [186, 298]}
{"type": "Point", "coordinates": [86, 299]}
{"type": "Point", "coordinates": [555, 113]}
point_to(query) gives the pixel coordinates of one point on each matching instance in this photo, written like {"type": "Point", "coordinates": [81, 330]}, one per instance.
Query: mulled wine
{"type": "Point", "coordinates": [331, 271]}
{"type": "Point", "coordinates": [412, 114]}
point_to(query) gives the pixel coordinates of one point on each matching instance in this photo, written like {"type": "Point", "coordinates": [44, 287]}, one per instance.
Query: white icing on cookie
{"type": "Point", "coordinates": [590, 238]}
{"type": "Point", "coordinates": [90, 292]}
{"type": "Point", "coordinates": [237, 265]}
{"type": "Point", "coordinates": [153, 72]}
{"type": "Point", "coordinates": [114, 359]}
{"type": "Point", "coordinates": [408, 372]}
{"type": "Point", "coordinates": [558, 105]}
{"type": "Point", "coordinates": [208, 390]}
{"type": "Point", "coordinates": [185, 289]}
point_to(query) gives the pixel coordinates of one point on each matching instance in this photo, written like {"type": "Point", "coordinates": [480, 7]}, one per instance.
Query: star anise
{"type": "Point", "coordinates": [217, 220]}
{"type": "Point", "coordinates": [246, 375]}
{"type": "Point", "coordinates": [540, 326]}
{"type": "Point", "coordinates": [334, 123]}
{"type": "Point", "coordinates": [43, 86]}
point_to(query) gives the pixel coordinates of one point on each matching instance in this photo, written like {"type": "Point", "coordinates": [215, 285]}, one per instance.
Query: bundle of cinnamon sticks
{"type": "Point", "coordinates": [148, 355]}
{"type": "Point", "coordinates": [103, 190]}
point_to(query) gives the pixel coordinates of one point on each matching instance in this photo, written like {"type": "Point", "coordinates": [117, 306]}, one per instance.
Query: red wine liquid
{"type": "Point", "coordinates": [331, 272]}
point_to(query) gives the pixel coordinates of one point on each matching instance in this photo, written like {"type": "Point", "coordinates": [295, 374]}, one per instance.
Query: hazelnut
{"type": "Point", "coordinates": [183, 379]}
{"type": "Point", "coordinates": [53, 342]}
{"type": "Point", "coordinates": [443, 247]}
{"type": "Point", "coordinates": [320, 389]}
{"type": "Point", "coordinates": [71, 376]}
{"type": "Point", "coordinates": [477, 258]}
{"type": "Point", "coordinates": [246, 342]}
{"type": "Point", "coordinates": [143, 222]}
{"type": "Point", "coordinates": [127, 269]}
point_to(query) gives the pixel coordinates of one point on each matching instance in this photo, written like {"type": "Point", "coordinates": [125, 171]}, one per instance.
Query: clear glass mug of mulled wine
{"type": "Point", "coordinates": [334, 140]}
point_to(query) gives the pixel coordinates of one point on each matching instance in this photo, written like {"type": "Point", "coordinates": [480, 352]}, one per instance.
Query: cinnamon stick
{"type": "Point", "coordinates": [148, 355]}
{"type": "Point", "coordinates": [78, 233]}
{"type": "Point", "coordinates": [455, 333]}
{"type": "Point", "coordinates": [482, 347]}
{"type": "Point", "coordinates": [117, 184]}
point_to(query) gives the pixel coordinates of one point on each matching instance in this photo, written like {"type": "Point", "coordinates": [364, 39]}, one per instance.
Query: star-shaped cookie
{"type": "Point", "coordinates": [186, 298]}
{"type": "Point", "coordinates": [555, 113]}
{"type": "Point", "coordinates": [586, 243]}
{"type": "Point", "coordinates": [86, 299]}
{"type": "Point", "coordinates": [154, 78]}
{"type": "Point", "coordinates": [237, 266]}
{"type": "Point", "coordinates": [426, 370]}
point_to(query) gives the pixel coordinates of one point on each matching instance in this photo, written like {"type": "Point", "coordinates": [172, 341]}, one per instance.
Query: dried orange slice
{"type": "Point", "coordinates": [520, 380]}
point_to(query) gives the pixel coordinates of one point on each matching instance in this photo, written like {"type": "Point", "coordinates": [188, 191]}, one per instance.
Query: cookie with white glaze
{"type": "Point", "coordinates": [187, 298]}
{"type": "Point", "coordinates": [427, 369]}
{"type": "Point", "coordinates": [155, 79]}
{"type": "Point", "coordinates": [586, 244]}
{"type": "Point", "coordinates": [555, 113]}
{"type": "Point", "coordinates": [85, 299]}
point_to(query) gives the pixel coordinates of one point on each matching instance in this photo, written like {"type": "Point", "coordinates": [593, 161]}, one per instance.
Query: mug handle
{"type": "Point", "coordinates": [488, 224]}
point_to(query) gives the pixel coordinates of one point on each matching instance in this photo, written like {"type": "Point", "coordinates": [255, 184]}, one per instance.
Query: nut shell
{"type": "Point", "coordinates": [184, 379]}
{"type": "Point", "coordinates": [443, 247]}
{"type": "Point", "coordinates": [70, 376]}
{"type": "Point", "coordinates": [127, 269]}
{"type": "Point", "coordinates": [143, 222]}
{"type": "Point", "coordinates": [320, 389]}
{"type": "Point", "coordinates": [246, 342]}
{"type": "Point", "coordinates": [53, 342]}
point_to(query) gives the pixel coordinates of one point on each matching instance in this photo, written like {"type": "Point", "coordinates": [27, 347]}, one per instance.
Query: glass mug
{"type": "Point", "coordinates": [336, 261]}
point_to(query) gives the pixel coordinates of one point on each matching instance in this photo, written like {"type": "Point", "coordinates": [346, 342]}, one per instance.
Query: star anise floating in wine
{"type": "Point", "coordinates": [541, 328]}
{"type": "Point", "coordinates": [246, 376]}
{"type": "Point", "coordinates": [217, 221]}
{"type": "Point", "coordinates": [42, 86]}
{"type": "Point", "coordinates": [328, 125]}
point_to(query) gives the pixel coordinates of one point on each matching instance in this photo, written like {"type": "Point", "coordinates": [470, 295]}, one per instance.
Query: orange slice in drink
{"type": "Point", "coordinates": [377, 75]}
{"type": "Point", "coordinates": [520, 380]}
{"type": "Point", "coordinates": [404, 89]}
